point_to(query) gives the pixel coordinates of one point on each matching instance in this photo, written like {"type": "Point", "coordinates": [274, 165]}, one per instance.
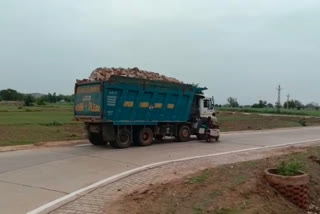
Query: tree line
{"type": "Point", "coordinates": [29, 99]}
{"type": "Point", "coordinates": [291, 104]}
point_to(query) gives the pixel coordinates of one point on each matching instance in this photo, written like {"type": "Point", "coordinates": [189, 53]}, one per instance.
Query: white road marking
{"type": "Point", "coordinates": [60, 201]}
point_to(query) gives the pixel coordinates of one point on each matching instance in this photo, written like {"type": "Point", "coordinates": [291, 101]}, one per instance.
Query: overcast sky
{"type": "Point", "coordinates": [239, 48]}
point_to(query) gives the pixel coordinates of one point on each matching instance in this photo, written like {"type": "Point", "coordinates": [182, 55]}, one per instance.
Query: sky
{"type": "Point", "coordinates": [237, 48]}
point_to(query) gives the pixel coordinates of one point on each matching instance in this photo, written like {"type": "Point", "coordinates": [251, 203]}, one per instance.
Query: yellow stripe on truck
{"type": "Point", "coordinates": [144, 105]}
{"type": "Point", "coordinates": [128, 104]}
{"type": "Point", "coordinates": [170, 106]}
{"type": "Point", "coordinates": [158, 105]}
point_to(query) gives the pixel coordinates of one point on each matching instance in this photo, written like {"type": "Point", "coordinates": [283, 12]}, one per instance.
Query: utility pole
{"type": "Point", "coordinates": [288, 100]}
{"type": "Point", "coordinates": [279, 99]}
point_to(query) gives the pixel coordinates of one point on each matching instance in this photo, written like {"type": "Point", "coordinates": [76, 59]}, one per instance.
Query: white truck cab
{"type": "Point", "coordinates": [206, 107]}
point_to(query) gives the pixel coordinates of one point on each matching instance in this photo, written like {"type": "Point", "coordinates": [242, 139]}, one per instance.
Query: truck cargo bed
{"type": "Point", "coordinates": [131, 101]}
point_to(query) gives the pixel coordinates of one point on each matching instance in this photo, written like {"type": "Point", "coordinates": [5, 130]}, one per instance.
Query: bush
{"type": "Point", "coordinates": [303, 122]}
{"type": "Point", "coordinates": [40, 102]}
{"type": "Point", "coordinates": [290, 168]}
{"type": "Point", "coordinates": [28, 100]}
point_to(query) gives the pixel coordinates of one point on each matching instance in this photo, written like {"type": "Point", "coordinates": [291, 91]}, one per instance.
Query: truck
{"type": "Point", "coordinates": [126, 110]}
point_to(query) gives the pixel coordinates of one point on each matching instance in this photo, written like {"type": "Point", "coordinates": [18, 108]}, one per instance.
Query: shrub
{"type": "Point", "coordinates": [303, 122]}
{"type": "Point", "coordinates": [28, 100]}
{"type": "Point", "coordinates": [40, 102]}
{"type": "Point", "coordinates": [290, 168]}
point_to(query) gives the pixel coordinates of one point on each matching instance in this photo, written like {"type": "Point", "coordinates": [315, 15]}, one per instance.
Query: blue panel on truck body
{"type": "Point", "coordinates": [131, 101]}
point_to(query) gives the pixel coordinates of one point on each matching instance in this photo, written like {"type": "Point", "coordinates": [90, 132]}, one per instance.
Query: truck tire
{"type": "Point", "coordinates": [123, 139]}
{"type": "Point", "coordinates": [184, 133]}
{"type": "Point", "coordinates": [96, 139]}
{"type": "Point", "coordinates": [144, 137]}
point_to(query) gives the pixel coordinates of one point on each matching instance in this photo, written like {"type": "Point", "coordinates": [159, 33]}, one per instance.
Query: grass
{"type": "Point", "coordinates": [201, 178]}
{"type": "Point", "coordinates": [35, 117]}
{"type": "Point", "coordinates": [237, 121]}
{"type": "Point", "coordinates": [303, 112]}
{"type": "Point", "coordinates": [228, 211]}
{"type": "Point", "coordinates": [35, 124]}
{"type": "Point", "coordinates": [197, 210]}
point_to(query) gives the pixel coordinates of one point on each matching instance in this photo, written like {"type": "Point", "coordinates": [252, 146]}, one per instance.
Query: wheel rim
{"type": "Point", "coordinates": [124, 138]}
{"type": "Point", "coordinates": [185, 133]}
{"type": "Point", "coordinates": [145, 136]}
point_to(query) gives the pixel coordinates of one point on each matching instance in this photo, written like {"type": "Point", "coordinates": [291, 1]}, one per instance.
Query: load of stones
{"type": "Point", "coordinates": [104, 74]}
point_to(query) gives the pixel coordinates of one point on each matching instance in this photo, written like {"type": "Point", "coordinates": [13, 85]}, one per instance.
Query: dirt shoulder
{"type": "Point", "coordinates": [42, 145]}
{"type": "Point", "coordinates": [229, 189]}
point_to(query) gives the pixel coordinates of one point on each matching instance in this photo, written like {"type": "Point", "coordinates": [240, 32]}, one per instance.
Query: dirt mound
{"type": "Point", "coordinates": [105, 74]}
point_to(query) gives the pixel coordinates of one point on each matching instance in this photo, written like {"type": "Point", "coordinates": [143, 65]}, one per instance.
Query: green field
{"type": "Point", "coordinates": [38, 124]}
{"type": "Point", "coordinates": [238, 121]}
{"type": "Point", "coordinates": [303, 112]}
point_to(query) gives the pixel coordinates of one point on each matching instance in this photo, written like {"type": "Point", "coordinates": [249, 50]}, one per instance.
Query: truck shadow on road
{"type": "Point", "coordinates": [167, 141]}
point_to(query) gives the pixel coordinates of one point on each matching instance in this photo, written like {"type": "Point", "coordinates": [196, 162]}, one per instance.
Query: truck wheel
{"type": "Point", "coordinates": [123, 139]}
{"type": "Point", "coordinates": [184, 133]}
{"type": "Point", "coordinates": [96, 139]}
{"type": "Point", "coordinates": [145, 137]}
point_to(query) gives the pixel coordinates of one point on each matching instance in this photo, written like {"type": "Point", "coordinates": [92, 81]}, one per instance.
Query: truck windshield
{"type": "Point", "coordinates": [206, 104]}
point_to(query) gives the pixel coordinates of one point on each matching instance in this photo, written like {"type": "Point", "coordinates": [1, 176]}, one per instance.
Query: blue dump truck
{"type": "Point", "coordinates": [124, 110]}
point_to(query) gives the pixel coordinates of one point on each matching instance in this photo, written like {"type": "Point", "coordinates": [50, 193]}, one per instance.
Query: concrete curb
{"type": "Point", "coordinates": [79, 193]}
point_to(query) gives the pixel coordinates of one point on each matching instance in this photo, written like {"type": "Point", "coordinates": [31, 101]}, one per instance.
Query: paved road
{"type": "Point", "coordinates": [31, 178]}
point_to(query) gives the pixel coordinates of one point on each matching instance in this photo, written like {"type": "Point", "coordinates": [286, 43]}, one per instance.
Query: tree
{"type": "Point", "coordinates": [232, 102]}
{"type": "Point", "coordinates": [269, 105]}
{"type": "Point", "coordinates": [261, 104]}
{"type": "Point", "coordinates": [313, 105]}
{"type": "Point", "coordinates": [28, 100]}
{"type": "Point", "coordinates": [293, 104]}
{"type": "Point", "coordinates": [51, 98]}
{"type": "Point", "coordinates": [40, 102]}
{"type": "Point", "coordinates": [11, 95]}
